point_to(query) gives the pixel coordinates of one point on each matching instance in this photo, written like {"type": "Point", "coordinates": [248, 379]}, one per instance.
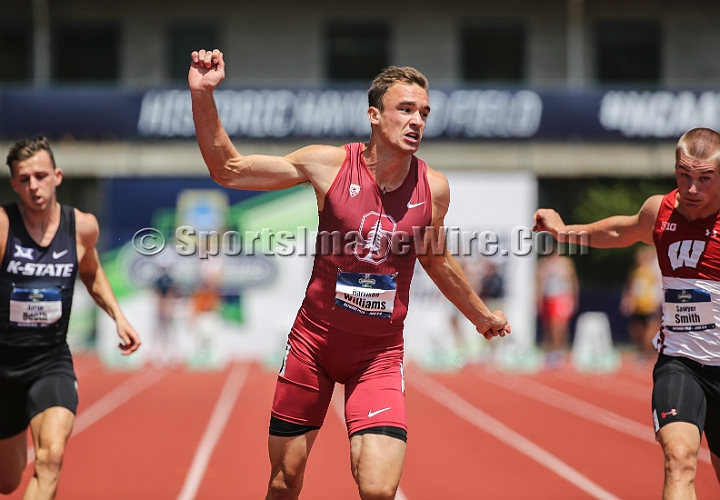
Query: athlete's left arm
{"type": "Point", "coordinates": [94, 278]}
{"type": "Point", "coordinates": [445, 271]}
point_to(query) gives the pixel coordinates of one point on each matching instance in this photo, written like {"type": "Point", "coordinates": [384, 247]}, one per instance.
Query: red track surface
{"type": "Point", "coordinates": [144, 444]}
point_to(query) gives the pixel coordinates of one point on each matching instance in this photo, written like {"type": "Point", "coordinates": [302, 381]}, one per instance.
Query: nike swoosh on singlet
{"type": "Point", "coordinates": [373, 413]}
{"type": "Point", "coordinates": [57, 255]}
{"type": "Point", "coordinates": [413, 205]}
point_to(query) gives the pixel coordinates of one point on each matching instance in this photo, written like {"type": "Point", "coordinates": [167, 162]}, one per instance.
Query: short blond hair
{"type": "Point", "coordinates": [699, 143]}
{"type": "Point", "coordinates": [389, 77]}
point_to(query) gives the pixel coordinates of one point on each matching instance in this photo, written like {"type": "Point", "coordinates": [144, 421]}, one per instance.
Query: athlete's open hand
{"type": "Point", "coordinates": [207, 70]}
{"type": "Point", "coordinates": [496, 326]}
{"type": "Point", "coordinates": [547, 219]}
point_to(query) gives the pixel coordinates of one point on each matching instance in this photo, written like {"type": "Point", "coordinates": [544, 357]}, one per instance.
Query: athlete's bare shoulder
{"type": "Point", "coordinates": [440, 192]}
{"type": "Point", "coordinates": [651, 208]}
{"type": "Point", "coordinates": [86, 229]}
{"type": "Point", "coordinates": [654, 202]}
{"type": "Point", "coordinates": [320, 163]}
{"type": "Point", "coordinates": [318, 156]}
{"type": "Point", "coordinates": [437, 180]}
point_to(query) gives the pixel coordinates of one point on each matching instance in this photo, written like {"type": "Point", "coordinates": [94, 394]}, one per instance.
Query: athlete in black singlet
{"type": "Point", "coordinates": [44, 247]}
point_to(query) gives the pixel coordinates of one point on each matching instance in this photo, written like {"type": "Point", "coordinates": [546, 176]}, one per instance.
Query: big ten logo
{"type": "Point", "coordinates": [668, 226]}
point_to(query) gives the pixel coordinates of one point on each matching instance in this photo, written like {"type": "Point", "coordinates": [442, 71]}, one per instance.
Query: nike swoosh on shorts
{"type": "Point", "coordinates": [373, 413]}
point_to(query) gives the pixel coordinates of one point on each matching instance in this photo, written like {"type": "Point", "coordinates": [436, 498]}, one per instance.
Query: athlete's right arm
{"type": "Point", "coordinates": [228, 167]}
{"type": "Point", "coordinates": [613, 232]}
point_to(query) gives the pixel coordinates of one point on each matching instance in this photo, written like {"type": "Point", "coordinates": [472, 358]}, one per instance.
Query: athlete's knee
{"type": "Point", "coordinates": [286, 481]}
{"type": "Point", "coordinates": [376, 490]}
{"type": "Point", "coordinates": [285, 485]}
{"type": "Point", "coordinates": [680, 460]}
{"type": "Point", "coordinates": [48, 460]}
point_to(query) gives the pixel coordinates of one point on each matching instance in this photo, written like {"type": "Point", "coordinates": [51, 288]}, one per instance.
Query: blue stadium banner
{"type": "Point", "coordinates": [459, 114]}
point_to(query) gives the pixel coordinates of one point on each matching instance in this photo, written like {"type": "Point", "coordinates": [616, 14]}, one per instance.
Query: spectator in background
{"type": "Point", "coordinates": [205, 322]}
{"type": "Point", "coordinates": [642, 301]}
{"type": "Point", "coordinates": [492, 285]}
{"type": "Point", "coordinates": [487, 280]}
{"type": "Point", "coordinates": [557, 298]}
{"type": "Point", "coordinates": [167, 294]}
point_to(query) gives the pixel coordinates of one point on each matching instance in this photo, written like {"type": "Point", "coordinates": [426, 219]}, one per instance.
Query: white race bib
{"type": "Point", "coordinates": [366, 294]}
{"type": "Point", "coordinates": [688, 310]}
{"type": "Point", "coordinates": [35, 308]}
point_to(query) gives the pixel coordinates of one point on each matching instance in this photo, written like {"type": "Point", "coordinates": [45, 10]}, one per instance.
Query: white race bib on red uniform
{"type": "Point", "coordinates": [367, 294]}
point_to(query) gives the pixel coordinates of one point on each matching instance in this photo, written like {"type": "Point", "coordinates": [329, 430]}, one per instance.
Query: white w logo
{"type": "Point", "coordinates": [680, 253]}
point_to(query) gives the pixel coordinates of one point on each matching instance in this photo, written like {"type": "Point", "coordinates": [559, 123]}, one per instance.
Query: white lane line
{"type": "Point", "coordinates": [615, 385]}
{"type": "Point", "coordinates": [115, 398]}
{"type": "Point", "coordinates": [338, 406]}
{"type": "Point", "coordinates": [581, 408]}
{"type": "Point", "coordinates": [110, 402]}
{"type": "Point", "coordinates": [213, 431]}
{"type": "Point", "coordinates": [485, 422]}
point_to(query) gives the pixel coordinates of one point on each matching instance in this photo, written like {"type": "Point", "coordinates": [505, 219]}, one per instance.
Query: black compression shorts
{"type": "Point", "coordinates": [687, 391]}
{"type": "Point", "coordinates": [31, 381]}
{"type": "Point", "coordinates": [282, 428]}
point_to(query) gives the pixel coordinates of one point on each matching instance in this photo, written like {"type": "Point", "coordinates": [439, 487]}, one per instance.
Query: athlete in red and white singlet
{"type": "Point", "coordinates": [689, 258]}
{"type": "Point", "coordinates": [377, 198]}
{"type": "Point", "coordinates": [684, 225]}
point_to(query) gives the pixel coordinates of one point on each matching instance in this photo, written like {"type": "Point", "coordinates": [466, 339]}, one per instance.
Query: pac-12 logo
{"type": "Point", "coordinates": [376, 232]}
{"type": "Point", "coordinates": [685, 253]}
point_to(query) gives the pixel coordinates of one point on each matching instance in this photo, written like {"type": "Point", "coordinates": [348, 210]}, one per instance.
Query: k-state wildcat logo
{"type": "Point", "coordinates": [685, 253]}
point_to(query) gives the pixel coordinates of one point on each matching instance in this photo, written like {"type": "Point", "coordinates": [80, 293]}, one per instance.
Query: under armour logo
{"type": "Point", "coordinates": [672, 412]}
{"type": "Point", "coordinates": [23, 253]}
{"type": "Point", "coordinates": [714, 232]}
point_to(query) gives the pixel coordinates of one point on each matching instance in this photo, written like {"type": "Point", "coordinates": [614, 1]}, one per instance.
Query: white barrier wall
{"type": "Point", "coordinates": [502, 204]}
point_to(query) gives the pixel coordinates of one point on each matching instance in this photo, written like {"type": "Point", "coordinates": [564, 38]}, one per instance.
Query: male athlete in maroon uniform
{"type": "Point", "coordinates": [684, 225]}
{"type": "Point", "coordinates": [380, 201]}
{"type": "Point", "coordinates": [361, 292]}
